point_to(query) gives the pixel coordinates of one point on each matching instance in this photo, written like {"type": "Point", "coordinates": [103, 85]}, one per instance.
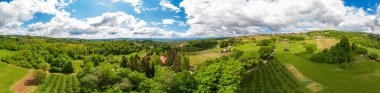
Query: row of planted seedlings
{"type": "Point", "coordinates": [273, 78]}
{"type": "Point", "coordinates": [57, 83]}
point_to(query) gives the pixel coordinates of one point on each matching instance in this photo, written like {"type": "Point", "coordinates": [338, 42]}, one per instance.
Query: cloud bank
{"type": "Point", "coordinates": [241, 17]}
{"type": "Point", "coordinates": [204, 17]}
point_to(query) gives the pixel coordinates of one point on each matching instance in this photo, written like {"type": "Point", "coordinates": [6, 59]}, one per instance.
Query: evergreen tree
{"type": "Point", "coordinates": [124, 62]}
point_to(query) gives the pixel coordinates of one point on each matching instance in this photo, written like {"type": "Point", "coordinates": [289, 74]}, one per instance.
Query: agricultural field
{"type": "Point", "coordinates": [271, 78]}
{"type": "Point", "coordinates": [325, 43]}
{"type": "Point", "coordinates": [57, 83]}
{"type": "Point", "coordinates": [355, 79]}
{"type": "Point", "coordinates": [10, 74]}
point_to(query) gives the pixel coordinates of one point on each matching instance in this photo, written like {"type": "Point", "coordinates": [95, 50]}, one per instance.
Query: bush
{"type": "Point", "coordinates": [264, 42]}
{"type": "Point", "coordinates": [360, 51]}
{"type": "Point", "coordinates": [310, 48]}
{"type": "Point", "coordinates": [372, 56]}
{"type": "Point", "coordinates": [68, 68]}
{"type": "Point", "coordinates": [265, 52]}
{"type": "Point", "coordinates": [39, 76]}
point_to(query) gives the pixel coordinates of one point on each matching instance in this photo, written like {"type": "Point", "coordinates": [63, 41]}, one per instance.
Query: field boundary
{"type": "Point", "coordinates": [311, 85]}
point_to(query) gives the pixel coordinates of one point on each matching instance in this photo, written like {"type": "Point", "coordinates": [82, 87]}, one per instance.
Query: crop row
{"type": "Point", "coordinates": [57, 83]}
{"type": "Point", "coordinates": [271, 78]}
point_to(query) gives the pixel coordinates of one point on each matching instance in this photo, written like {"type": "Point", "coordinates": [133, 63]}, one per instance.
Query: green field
{"type": "Point", "coordinates": [4, 53]}
{"type": "Point", "coordinates": [248, 47]}
{"type": "Point", "coordinates": [9, 75]}
{"type": "Point", "coordinates": [359, 77]}
{"type": "Point", "coordinates": [271, 78]}
{"type": "Point", "coordinates": [58, 83]}
{"type": "Point", "coordinates": [201, 56]}
{"type": "Point", "coordinates": [77, 65]}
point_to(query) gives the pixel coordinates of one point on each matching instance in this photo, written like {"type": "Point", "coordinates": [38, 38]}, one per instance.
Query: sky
{"type": "Point", "coordinates": [101, 19]}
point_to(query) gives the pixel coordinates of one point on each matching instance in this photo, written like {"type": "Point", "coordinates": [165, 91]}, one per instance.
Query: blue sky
{"type": "Point", "coordinates": [185, 18]}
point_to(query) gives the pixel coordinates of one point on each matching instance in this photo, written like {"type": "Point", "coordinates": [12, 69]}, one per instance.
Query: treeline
{"type": "Point", "coordinates": [57, 54]}
{"type": "Point", "coordinates": [198, 45]}
{"type": "Point", "coordinates": [360, 38]}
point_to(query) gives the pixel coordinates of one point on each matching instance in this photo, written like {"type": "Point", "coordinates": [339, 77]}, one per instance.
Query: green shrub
{"type": "Point", "coordinates": [372, 56]}
{"type": "Point", "coordinates": [360, 51]}
{"type": "Point", "coordinates": [265, 42]}
{"type": "Point", "coordinates": [39, 76]}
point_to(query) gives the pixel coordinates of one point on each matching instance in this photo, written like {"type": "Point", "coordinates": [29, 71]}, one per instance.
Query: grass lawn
{"type": "Point", "coordinates": [201, 56]}
{"type": "Point", "coordinates": [9, 75]}
{"type": "Point", "coordinates": [359, 77]}
{"type": "Point", "coordinates": [248, 47]}
{"type": "Point", "coordinates": [77, 64]}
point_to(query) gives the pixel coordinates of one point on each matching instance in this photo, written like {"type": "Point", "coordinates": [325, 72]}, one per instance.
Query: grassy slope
{"type": "Point", "coordinates": [10, 74]}
{"type": "Point", "coordinates": [333, 77]}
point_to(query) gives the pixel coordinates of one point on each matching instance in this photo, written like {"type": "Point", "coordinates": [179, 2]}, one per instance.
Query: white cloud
{"type": "Point", "coordinates": [168, 21]}
{"type": "Point", "coordinates": [137, 4]}
{"type": "Point", "coordinates": [241, 17]}
{"type": "Point", "coordinates": [375, 26]}
{"type": "Point", "coordinates": [167, 4]}
{"type": "Point", "coordinates": [13, 14]}
{"type": "Point", "coordinates": [108, 25]}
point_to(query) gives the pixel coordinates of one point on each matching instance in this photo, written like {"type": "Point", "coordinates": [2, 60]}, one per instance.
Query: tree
{"type": "Point", "coordinates": [265, 51]}
{"type": "Point", "coordinates": [344, 44]}
{"type": "Point", "coordinates": [165, 78]}
{"type": "Point", "coordinates": [223, 44]}
{"type": "Point", "coordinates": [95, 58]}
{"type": "Point", "coordinates": [124, 62]}
{"type": "Point", "coordinates": [310, 48]}
{"type": "Point", "coordinates": [372, 56]}
{"type": "Point", "coordinates": [68, 67]}
{"type": "Point", "coordinates": [125, 85]}
{"type": "Point", "coordinates": [184, 83]}
{"type": "Point", "coordinates": [237, 54]}
{"type": "Point", "coordinates": [171, 55]}
{"type": "Point", "coordinates": [39, 76]}
{"type": "Point", "coordinates": [222, 76]}
{"type": "Point", "coordinates": [264, 42]}
{"type": "Point", "coordinates": [360, 50]}
{"type": "Point", "coordinates": [338, 54]}
{"type": "Point", "coordinates": [44, 66]}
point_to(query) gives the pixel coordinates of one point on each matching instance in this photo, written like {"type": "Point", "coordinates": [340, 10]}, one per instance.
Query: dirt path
{"type": "Point", "coordinates": [26, 84]}
{"type": "Point", "coordinates": [312, 85]}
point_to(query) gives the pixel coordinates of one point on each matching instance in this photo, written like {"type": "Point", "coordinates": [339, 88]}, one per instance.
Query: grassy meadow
{"type": "Point", "coordinates": [360, 76]}
{"type": "Point", "coordinates": [9, 75]}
